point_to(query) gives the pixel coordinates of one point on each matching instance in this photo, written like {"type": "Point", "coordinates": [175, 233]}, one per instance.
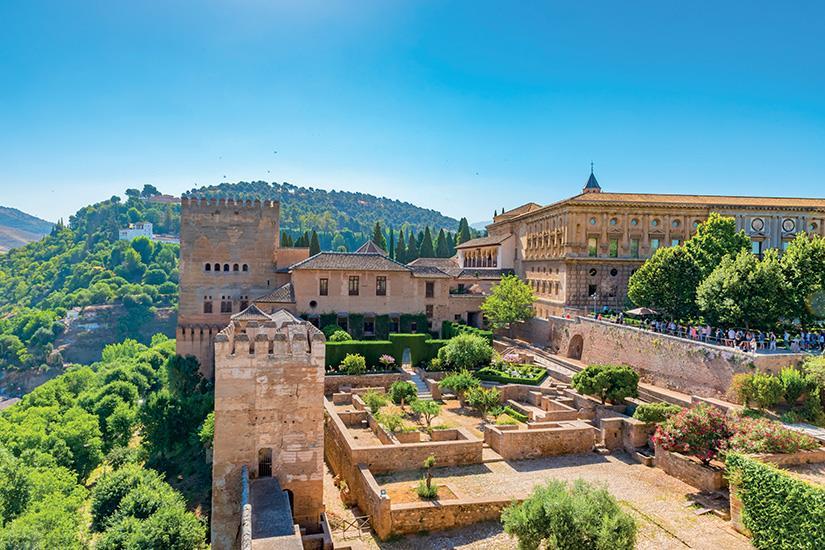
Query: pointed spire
{"type": "Point", "coordinates": [592, 186]}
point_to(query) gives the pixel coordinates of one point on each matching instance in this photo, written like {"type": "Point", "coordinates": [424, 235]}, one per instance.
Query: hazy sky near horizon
{"type": "Point", "coordinates": [464, 107]}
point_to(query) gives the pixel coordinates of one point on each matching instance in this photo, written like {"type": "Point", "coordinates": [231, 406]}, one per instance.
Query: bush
{"type": "Point", "coordinates": [741, 389]}
{"type": "Point", "coordinates": [760, 435]}
{"type": "Point", "coordinates": [374, 400]}
{"type": "Point", "coordinates": [330, 329]}
{"type": "Point", "coordinates": [354, 364]}
{"type": "Point", "coordinates": [427, 410]}
{"type": "Point", "coordinates": [513, 374]}
{"type": "Point", "coordinates": [560, 516]}
{"type": "Point", "coordinates": [340, 336]}
{"type": "Point", "coordinates": [450, 329]}
{"type": "Point", "coordinates": [514, 414]}
{"type": "Point", "coordinates": [459, 383]}
{"type": "Point", "coordinates": [655, 412]}
{"type": "Point", "coordinates": [427, 492]}
{"type": "Point", "coordinates": [402, 392]}
{"type": "Point", "coordinates": [392, 422]}
{"type": "Point", "coordinates": [466, 351]}
{"type": "Point", "coordinates": [700, 432]}
{"type": "Point", "coordinates": [767, 389]}
{"type": "Point", "coordinates": [793, 384]}
{"type": "Point", "coordinates": [506, 420]}
{"type": "Point", "coordinates": [607, 382]}
{"type": "Point", "coordinates": [483, 399]}
{"type": "Point", "coordinates": [780, 510]}
{"type": "Point", "coordinates": [372, 350]}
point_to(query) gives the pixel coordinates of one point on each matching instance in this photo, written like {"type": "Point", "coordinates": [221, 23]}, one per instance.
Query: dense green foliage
{"type": "Point", "coordinates": [465, 352]}
{"type": "Point", "coordinates": [607, 382]}
{"type": "Point", "coordinates": [353, 364]}
{"type": "Point", "coordinates": [760, 435]}
{"type": "Point", "coordinates": [459, 383]}
{"type": "Point", "coordinates": [701, 431]}
{"type": "Point", "coordinates": [65, 429]}
{"type": "Point", "coordinates": [450, 329]}
{"type": "Point", "coordinates": [403, 392]}
{"type": "Point", "coordinates": [781, 511]}
{"type": "Point", "coordinates": [559, 516]}
{"type": "Point", "coordinates": [483, 399]}
{"type": "Point", "coordinates": [513, 374]}
{"type": "Point", "coordinates": [510, 301]}
{"type": "Point", "coordinates": [655, 412]}
{"type": "Point", "coordinates": [80, 265]}
{"type": "Point", "coordinates": [666, 283]}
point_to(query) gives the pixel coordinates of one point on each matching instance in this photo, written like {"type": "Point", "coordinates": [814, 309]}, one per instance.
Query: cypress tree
{"type": "Point", "coordinates": [314, 245]}
{"type": "Point", "coordinates": [442, 249]}
{"type": "Point", "coordinates": [426, 250]}
{"type": "Point", "coordinates": [450, 244]}
{"type": "Point", "coordinates": [401, 249]}
{"type": "Point", "coordinates": [391, 251]}
{"type": "Point", "coordinates": [463, 232]}
{"type": "Point", "coordinates": [378, 236]}
{"type": "Point", "coordinates": [412, 247]}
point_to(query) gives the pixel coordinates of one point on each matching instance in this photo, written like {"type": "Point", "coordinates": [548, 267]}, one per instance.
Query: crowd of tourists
{"type": "Point", "coordinates": [743, 339]}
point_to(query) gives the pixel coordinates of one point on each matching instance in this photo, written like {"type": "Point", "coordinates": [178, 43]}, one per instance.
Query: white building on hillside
{"type": "Point", "coordinates": [142, 229]}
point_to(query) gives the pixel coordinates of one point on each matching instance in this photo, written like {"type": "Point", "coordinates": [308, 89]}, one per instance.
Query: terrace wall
{"type": "Point", "coordinates": [334, 383]}
{"type": "Point", "coordinates": [566, 438]}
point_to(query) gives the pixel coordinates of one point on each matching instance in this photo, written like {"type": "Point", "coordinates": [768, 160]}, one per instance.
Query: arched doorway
{"type": "Point", "coordinates": [576, 346]}
{"type": "Point", "coordinates": [264, 462]}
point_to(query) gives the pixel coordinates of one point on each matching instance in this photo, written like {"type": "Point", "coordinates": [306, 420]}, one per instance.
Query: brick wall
{"type": "Point", "coordinates": [431, 516]}
{"type": "Point", "coordinates": [705, 478]}
{"type": "Point", "coordinates": [567, 438]}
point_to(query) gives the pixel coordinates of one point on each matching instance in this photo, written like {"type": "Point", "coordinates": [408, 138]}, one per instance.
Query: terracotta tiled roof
{"type": "Point", "coordinates": [284, 294]}
{"type": "Point", "coordinates": [699, 200]}
{"type": "Point", "coordinates": [427, 271]}
{"type": "Point", "coordinates": [252, 313]}
{"type": "Point", "coordinates": [350, 261]}
{"type": "Point", "coordinates": [483, 273]}
{"type": "Point", "coordinates": [370, 247]}
{"type": "Point", "coordinates": [484, 241]}
{"type": "Point", "coordinates": [447, 265]}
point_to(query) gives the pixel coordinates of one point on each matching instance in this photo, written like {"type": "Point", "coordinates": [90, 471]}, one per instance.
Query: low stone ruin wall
{"type": "Point", "coordinates": [564, 438]}
{"type": "Point", "coordinates": [334, 383]}
{"type": "Point", "coordinates": [683, 468]}
{"type": "Point", "coordinates": [432, 516]}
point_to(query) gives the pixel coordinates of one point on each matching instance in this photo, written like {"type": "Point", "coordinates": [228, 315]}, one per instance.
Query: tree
{"type": "Point", "coordinates": [667, 283]}
{"type": "Point", "coordinates": [427, 410]}
{"type": "Point", "coordinates": [427, 250]}
{"type": "Point", "coordinates": [483, 399]}
{"type": "Point", "coordinates": [450, 244]}
{"type": "Point", "coordinates": [15, 487]}
{"type": "Point", "coordinates": [441, 248]}
{"type": "Point", "coordinates": [391, 250]}
{"type": "Point", "coordinates": [149, 191]}
{"type": "Point", "coordinates": [403, 391]}
{"type": "Point", "coordinates": [511, 301]}
{"type": "Point", "coordinates": [581, 516]}
{"type": "Point", "coordinates": [459, 383]}
{"type": "Point", "coordinates": [745, 291]}
{"type": "Point", "coordinates": [465, 352]}
{"type": "Point", "coordinates": [378, 236]}
{"type": "Point", "coordinates": [339, 244]}
{"type": "Point", "coordinates": [607, 382]}
{"type": "Point", "coordinates": [401, 250]}
{"type": "Point", "coordinates": [699, 431]}
{"type": "Point", "coordinates": [715, 238]}
{"type": "Point", "coordinates": [314, 245]}
{"type": "Point", "coordinates": [803, 264]}
{"type": "Point", "coordinates": [463, 234]}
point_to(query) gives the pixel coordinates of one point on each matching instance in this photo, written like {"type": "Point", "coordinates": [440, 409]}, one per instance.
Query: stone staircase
{"type": "Point", "coordinates": [423, 390]}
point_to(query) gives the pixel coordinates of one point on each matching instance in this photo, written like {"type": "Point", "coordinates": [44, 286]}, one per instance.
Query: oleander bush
{"type": "Point", "coordinates": [760, 435]}
{"type": "Point", "coordinates": [700, 431]}
{"type": "Point", "coordinates": [655, 412]}
{"type": "Point", "coordinates": [781, 511]}
{"type": "Point", "coordinates": [560, 516]}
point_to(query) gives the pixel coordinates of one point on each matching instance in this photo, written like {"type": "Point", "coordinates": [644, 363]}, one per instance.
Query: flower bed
{"type": "Point", "coordinates": [760, 435]}
{"type": "Point", "coordinates": [513, 374]}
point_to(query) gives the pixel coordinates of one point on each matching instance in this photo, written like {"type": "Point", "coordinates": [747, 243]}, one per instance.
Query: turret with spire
{"type": "Point", "coordinates": [592, 186]}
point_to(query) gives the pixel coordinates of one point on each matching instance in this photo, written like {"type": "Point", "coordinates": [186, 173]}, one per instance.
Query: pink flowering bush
{"type": "Point", "coordinates": [386, 360]}
{"type": "Point", "coordinates": [701, 432]}
{"type": "Point", "coordinates": [760, 435]}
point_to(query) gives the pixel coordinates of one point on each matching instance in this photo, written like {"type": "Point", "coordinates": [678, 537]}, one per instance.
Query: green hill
{"type": "Point", "coordinates": [18, 228]}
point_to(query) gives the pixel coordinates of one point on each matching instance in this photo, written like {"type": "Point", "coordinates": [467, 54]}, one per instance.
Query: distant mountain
{"type": "Point", "coordinates": [18, 228]}
{"type": "Point", "coordinates": [481, 226]}
{"type": "Point", "coordinates": [305, 208]}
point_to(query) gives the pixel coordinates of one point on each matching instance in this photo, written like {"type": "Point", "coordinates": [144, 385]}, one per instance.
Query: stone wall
{"type": "Point", "coordinates": [705, 478]}
{"type": "Point", "coordinates": [566, 438]}
{"type": "Point", "coordinates": [432, 516]}
{"type": "Point", "coordinates": [675, 363]}
{"type": "Point", "coordinates": [338, 382]}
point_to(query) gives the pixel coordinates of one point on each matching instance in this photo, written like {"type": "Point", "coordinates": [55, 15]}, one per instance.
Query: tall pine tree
{"type": "Point", "coordinates": [426, 250]}
{"type": "Point", "coordinates": [450, 244]}
{"type": "Point", "coordinates": [391, 250]}
{"type": "Point", "coordinates": [401, 249]}
{"type": "Point", "coordinates": [463, 232]}
{"type": "Point", "coordinates": [378, 236]}
{"type": "Point", "coordinates": [314, 245]}
{"type": "Point", "coordinates": [442, 250]}
{"type": "Point", "coordinates": [412, 247]}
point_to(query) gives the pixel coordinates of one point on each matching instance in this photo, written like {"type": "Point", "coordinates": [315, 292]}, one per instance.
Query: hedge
{"type": "Point", "coordinates": [328, 319]}
{"type": "Point", "coordinates": [382, 327]}
{"type": "Point", "coordinates": [422, 324]}
{"type": "Point", "coordinates": [781, 511]}
{"type": "Point", "coordinates": [513, 413]}
{"type": "Point", "coordinates": [356, 326]}
{"type": "Point", "coordinates": [372, 350]}
{"type": "Point", "coordinates": [491, 375]}
{"type": "Point", "coordinates": [450, 329]}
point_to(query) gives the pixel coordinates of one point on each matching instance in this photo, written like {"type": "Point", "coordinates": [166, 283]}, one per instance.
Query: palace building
{"type": "Point", "coordinates": [579, 253]}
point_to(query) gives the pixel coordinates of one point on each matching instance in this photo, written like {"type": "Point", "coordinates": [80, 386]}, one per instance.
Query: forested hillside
{"type": "Point", "coordinates": [18, 228]}
{"type": "Point", "coordinates": [76, 453]}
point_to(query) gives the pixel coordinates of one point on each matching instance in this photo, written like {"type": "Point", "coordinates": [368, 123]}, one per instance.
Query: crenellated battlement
{"type": "Point", "coordinates": [204, 203]}
{"type": "Point", "coordinates": [279, 341]}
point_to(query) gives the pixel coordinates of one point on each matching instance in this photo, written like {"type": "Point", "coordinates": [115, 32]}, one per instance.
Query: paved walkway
{"type": "Point", "coordinates": [421, 386]}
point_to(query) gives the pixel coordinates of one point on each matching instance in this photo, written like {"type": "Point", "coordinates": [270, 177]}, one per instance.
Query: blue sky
{"type": "Point", "coordinates": [464, 107]}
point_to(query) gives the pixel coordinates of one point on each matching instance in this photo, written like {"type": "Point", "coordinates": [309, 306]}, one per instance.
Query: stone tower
{"type": "Point", "coordinates": [269, 416]}
{"type": "Point", "coordinates": [228, 255]}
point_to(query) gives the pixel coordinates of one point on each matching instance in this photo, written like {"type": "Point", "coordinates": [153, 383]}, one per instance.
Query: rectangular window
{"type": "Point", "coordinates": [395, 325]}
{"type": "Point", "coordinates": [323, 287]}
{"type": "Point", "coordinates": [429, 311]}
{"type": "Point", "coordinates": [226, 306]}
{"type": "Point", "coordinates": [343, 323]}
{"type": "Point", "coordinates": [654, 245]}
{"type": "Point", "coordinates": [413, 327]}
{"type": "Point", "coordinates": [591, 290]}
{"type": "Point", "coordinates": [244, 304]}
{"type": "Point", "coordinates": [207, 306]}
{"type": "Point", "coordinates": [614, 248]}
{"type": "Point", "coordinates": [674, 242]}
{"type": "Point", "coordinates": [756, 247]}
{"type": "Point", "coordinates": [592, 247]}
{"type": "Point", "coordinates": [369, 327]}
{"type": "Point", "coordinates": [429, 290]}
{"type": "Point", "coordinates": [634, 248]}
{"type": "Point", "coordinates": [353, 285]}
{"type": "Point", "coordinates": [380, 286]}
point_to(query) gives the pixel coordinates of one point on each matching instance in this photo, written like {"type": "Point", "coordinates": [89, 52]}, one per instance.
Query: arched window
{"type": "Point", "coordinates": [217, 267]}
{"type": "Point", "coordinates": [245, 267]}
{"type": "Point", "coordinates": [226, 267]}
{"type": "Point", "coordinates": [236, 267]}
{"type": "Point", "coordinates": [208, 267]}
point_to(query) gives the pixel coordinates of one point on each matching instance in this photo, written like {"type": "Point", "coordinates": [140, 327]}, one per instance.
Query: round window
{"type": "Point", "coordinates": [634, 221]}
{"type": "Point", "coordinates": [613, 221]}
{"type": "Point", "coordinates": [592, 221]}
{"type": "Point", "coordinates": [788, 225]}
{"type": "Point", "coordinates": [675, 223]}
{"type": "Point", "coordinates": [757, 224]}
{"type": "Point", "coordinates": [313, 303]}
{"type": "Point", "coordinates": [654, 223]}
{"type": "Point", "coordinates": [593, 271]}
{"type": "Point", "coordinates": [814, 227]}
{"type": "Point", "coordinates": [614, 272]}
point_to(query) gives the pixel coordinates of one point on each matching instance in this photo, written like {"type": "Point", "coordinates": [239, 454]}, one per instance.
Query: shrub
{"type": "Point", "coordinates": [760, 435]}
{"type": "Point", "coordinates": [579, 516]}
{"type": "Point", "coordinates": [466, 351]}
{"type": "Point", "coordinates": [427, 410]}
{"type": "Point", "coordinates": [793, 384]}
{"type": "Point", "coordinates": [608, 382]}
{"type": "Point", "coordinates": [459, 383]}
{"type": "Point", "coordinates": [514, 414]}
{"type": "Point", "coordinates": [505, 420]}
{"type": "Point", "coordinates": [425, 491]}
{"type": "Point", "coordinates": [374, 400]}
{"type": "Point", "coordinates": [372, 350]}
{"type": "Point", "coordinates": [340, 336]}
{"type": "Point", "coordinates": [483, 399]}
{"type": "Point", "coordinates": [386, 361]}
{"type": "Point", "coordinates": [392, 422]}
{"type": "Point", "coordinates": [513, 374]}
{"type": "Point", "coordinates": [655, 412]}
{"type": "Point", "coordinates": [402, 392]}
{"type": "Point", "coordinates": [767, 389]}
{"type": "Point", "coordinates": [354, 364]}
{"type": "Point", "coordinates": [780, 510]}
{"type": "Point", "coordinates": [700, 432]}
{"type": "Point", "coordinates": [330, 329]}
{"type": "Point", "coordinates": [741, 389]}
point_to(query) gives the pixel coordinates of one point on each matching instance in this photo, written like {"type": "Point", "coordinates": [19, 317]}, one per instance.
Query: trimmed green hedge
{"type": "Point", "coordinates": [490, 374]}
{"type": "Point", "coordinates": [781, 511]}
{"type": "Point", "coordinates": [356, 326]}
{"type": "Point", "coordinates": [450, 329]}
{"type": "Point", "coordinates": [422, 324]}
{"type": "Point", "coordinates": [372, 350]}
{"type": "Point", "coordinates": [382, 327]}
{"type": "Point", "coordinates": [328, 319]}
{"type": "Point", "coordinates": [513, 413]}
